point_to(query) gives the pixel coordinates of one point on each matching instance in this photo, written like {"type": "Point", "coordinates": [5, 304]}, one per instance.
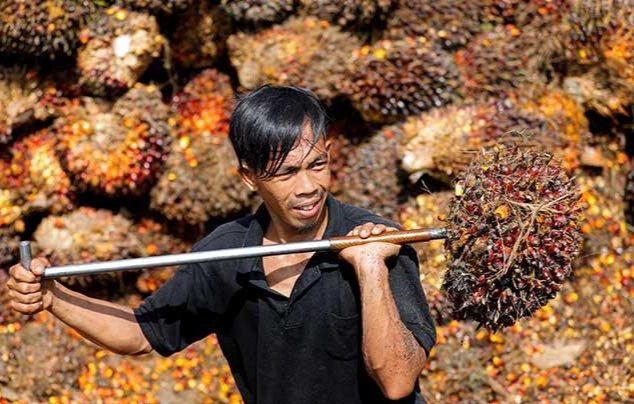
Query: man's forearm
{"type": "Point", "coordinates": [106, 324]}
{"type": "Point", "coordinates": [391, 353]}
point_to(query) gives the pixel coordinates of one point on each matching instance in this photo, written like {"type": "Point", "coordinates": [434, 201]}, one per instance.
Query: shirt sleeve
{"type": "Point", "coordinates": [178, 313]}
{"type": "Point", "coordinates": [410, 298]}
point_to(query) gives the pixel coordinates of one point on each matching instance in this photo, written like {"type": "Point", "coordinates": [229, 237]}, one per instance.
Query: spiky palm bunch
{"type": "Point", "coordinates": [119, 150]}
{"type": "Point", "coordinates": [394, 79]}
{"type": "Point", "coordinates": [348, 13]}
{"type": "Point", "coordinates": [513, 234]}
{"type": "Point", "coordinates": [117, 48]}
{"type": "Point", "coordinates": [201, 150]}
{"type": "Point", "coordinates": [306, 52]}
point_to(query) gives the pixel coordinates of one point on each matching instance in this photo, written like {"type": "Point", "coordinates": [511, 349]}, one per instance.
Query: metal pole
{"type": "Point", "coordinates": [336, 243]}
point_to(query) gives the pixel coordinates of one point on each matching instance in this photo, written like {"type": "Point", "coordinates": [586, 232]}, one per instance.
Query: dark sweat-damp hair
{"type": "Point", "coordinates": [267, 122]}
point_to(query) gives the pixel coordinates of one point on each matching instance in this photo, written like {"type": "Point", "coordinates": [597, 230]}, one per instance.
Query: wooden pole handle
{"type": "Point", "coordinates": [395, 237]}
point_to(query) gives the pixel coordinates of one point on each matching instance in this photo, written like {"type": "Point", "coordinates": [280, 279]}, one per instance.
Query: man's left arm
{"type": "Point", "coordinates": [393, 356]}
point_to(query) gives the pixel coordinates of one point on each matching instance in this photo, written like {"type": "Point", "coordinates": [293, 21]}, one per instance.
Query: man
{"type": "Point", "coordinates": [301, 328]}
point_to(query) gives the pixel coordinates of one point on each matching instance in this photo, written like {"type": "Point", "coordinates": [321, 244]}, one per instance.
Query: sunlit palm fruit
{"type": "Point", "coordinates": [348, 13]}
{"type": "Point", "coordinates": [258, 13]}
{"type": "Point", "coordinates": [88, 235]}
{"type": "Point", "coordinates": [497, 61]}
{"type": "Point", "coordinates": [116, 49]}
{"type": "Point", "coordinates": [391, 80]}
{"type": "Point", "coordinates": [617, 47]}
{"type": "Point", "coordinates": [442, 142]}
{"type": "Point", "coordinates": [159, 7]}
{"type": "Point", "coordinates": [116, 151]}
{"type": "Point", "coordinates": [306, 52]}
{"type": "Point", "coordinates": [513, 235]}
{"type": "Point", "coordinates": [42, 182]}
{"type": "Point", "coordinates": [200, 36]}
{"type": "Point", "coordinates": [26, 98]}
{"type": "Point", "coordinates": [370, 177]}
{"type": "Point", "coordinates": [428, 210]}
{"type": "Point", "coordinates": [587, 22]}
{"type": "Point", "coordinates": [154, 240]}
{"type": "Point", "coordinates": [31, 180]}
{"type": "Point", "coordinates": [597, 92]}
{"type": "Point", "coordinates": [451, 23]}
{"type": "Point", "coordinates": [11, 212]}
{"type": "Point", "coordinates": [606, 211]}
{"type": "Point", "coordinates": [563, 114]}
{"type": "Point", "coordinates": [344, 136]}
{"type": "Point", "coordinates": [201, 181]}
{"type": "Point", "coordinates": [42, 28]}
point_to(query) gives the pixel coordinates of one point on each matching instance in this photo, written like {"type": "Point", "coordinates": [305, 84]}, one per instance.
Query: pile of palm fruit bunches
{"type": "Point", "coordinates": [501, 120]}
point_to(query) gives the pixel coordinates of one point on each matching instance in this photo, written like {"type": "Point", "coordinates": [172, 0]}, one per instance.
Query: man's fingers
{"type": "Point", "coordinates": [23, 308]}
{"type": "Point", "coordinates": [28, 298]}
{"type": "Point", "coordinates": [38, 265]}
{"type": "Point", "coordinates": [378, 229]}
{"type": "Point", "coordinates": [21, 274]}
{"type": "Point", "coordinates": [24, 287]}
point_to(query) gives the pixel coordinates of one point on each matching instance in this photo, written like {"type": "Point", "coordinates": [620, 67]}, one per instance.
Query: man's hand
{"type": "Point", "coordinates": [372, 252]}
{"type": "Point", "coordinates": [29, 293]}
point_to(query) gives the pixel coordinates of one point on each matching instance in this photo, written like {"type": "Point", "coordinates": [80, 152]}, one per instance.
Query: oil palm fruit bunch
{"type": "Point", "coordinates": [116, 49]}
{"type": "Point", "coordinates": [451, 23]}
{"type": "Point", "coordinates": [617, 47]}
{"type": "Point", "coordinates": [499, 60]}
{"type": "Point", "coordinates": [578, 45]}
{"type": "Point", "coordinates": [348, 13]}
{"type": "Point", "coordinates": [303, 51]}
{"type": "Point", "coordinates": [596, 91]}
{"type": "Point", "coordinates": [155, 240]}
{"type": "Point", "coordinates": [443, 142]}
{"type": "Point", "coordinates": [607, 202]}
{"type": "Point", "coordinates": [201, 181]}
{"type": "Point", "coordinates": [157, 7]}
{"type": "Point", "coordinates": [11, 210]}
{"type": "Point", "coordinates": [42, 28]}
{"type": "Point", "coordinates": [391, 80]}
{"type": "Point", "coordinates": [40, 179]}
{"type": "Point", "coordinates": [88, 235]}
{"type": "Point", "coordinates": [116, 150]}
{"type": "Point", "coordinates": [513, 234]}
{"type": "Point", "coordinates": [200, 36]}
{"type": "Point", "coordinates": [26, 98]}
{"type": "Point", "coordinates": [429, 210]}
{"type": "Point", "coordinates": [564, 115]}
{"type": "Point", "coordinates": [370, 177]}
{"type": "Point", "coordinates": [258, 13]}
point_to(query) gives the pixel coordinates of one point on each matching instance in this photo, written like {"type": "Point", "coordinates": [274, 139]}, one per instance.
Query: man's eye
{"type": "Point", "coordinates": [319, 164]}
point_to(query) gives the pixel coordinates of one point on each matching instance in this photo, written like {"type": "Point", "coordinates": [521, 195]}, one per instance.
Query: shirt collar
{"type": "Point", "coordinates": [261, 219]}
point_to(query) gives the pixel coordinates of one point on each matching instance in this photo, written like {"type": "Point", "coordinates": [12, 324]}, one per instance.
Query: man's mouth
{"type": "Point", "coordinates": [308, 207]}
{"type": "Point", "coordinates": [308, 210]}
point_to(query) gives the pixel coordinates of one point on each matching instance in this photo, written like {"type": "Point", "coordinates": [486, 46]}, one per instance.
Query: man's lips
{"type": "Point", "coordinates": [307, 205]}
{"type": "Point", "coordinates": [308, 210]}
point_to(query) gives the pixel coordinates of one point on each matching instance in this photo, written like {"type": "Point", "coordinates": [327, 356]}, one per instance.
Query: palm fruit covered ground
{"type": "Point", "coordinates": [113, 144]}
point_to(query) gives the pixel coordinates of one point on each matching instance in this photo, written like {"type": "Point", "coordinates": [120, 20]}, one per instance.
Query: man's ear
{"type": "Point", "coordinates": [247, 177]}
{"type": "Point", "coordinates": [328, 146]}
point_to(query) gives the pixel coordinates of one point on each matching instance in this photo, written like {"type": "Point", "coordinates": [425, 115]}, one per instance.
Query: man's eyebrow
{"type": "Point", "coordinates": [288, 167]}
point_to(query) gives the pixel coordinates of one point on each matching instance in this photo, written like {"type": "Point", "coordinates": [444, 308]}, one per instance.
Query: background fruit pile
{"type": "Point", "coordinates": [113, 144]}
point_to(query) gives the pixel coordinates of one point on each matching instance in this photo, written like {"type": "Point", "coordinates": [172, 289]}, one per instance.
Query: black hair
{"type": "Point", "coordinates": [267, 122]}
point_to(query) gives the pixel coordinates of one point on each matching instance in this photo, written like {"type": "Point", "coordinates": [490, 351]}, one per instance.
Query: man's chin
{"type": "Point", "coordinates": [306, 228]}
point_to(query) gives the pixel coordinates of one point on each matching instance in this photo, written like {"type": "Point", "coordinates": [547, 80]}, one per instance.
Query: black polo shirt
{"type": "Point", "coordinates": [302, 349]}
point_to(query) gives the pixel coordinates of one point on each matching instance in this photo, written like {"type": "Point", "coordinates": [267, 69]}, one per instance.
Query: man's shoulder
{"type": "Point", "coordinates": [227, 235]}
{"type": "Point", "coordinates": [355, 216]}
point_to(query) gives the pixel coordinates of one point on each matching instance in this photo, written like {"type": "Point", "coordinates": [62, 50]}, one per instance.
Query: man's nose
{"type": "Point", "coordinates": [305, 184]}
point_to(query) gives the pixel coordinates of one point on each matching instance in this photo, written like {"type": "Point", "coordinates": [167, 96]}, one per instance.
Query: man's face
{"type": "Point", "coordinates": [296, 194]}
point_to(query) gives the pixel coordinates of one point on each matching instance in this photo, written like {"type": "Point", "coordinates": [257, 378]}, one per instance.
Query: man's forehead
{"type": "Point", "coordinates": [305, 149]}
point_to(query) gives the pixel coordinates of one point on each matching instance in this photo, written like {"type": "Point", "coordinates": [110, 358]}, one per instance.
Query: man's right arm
{"type": "Point", "coordinates": [109, 325]}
